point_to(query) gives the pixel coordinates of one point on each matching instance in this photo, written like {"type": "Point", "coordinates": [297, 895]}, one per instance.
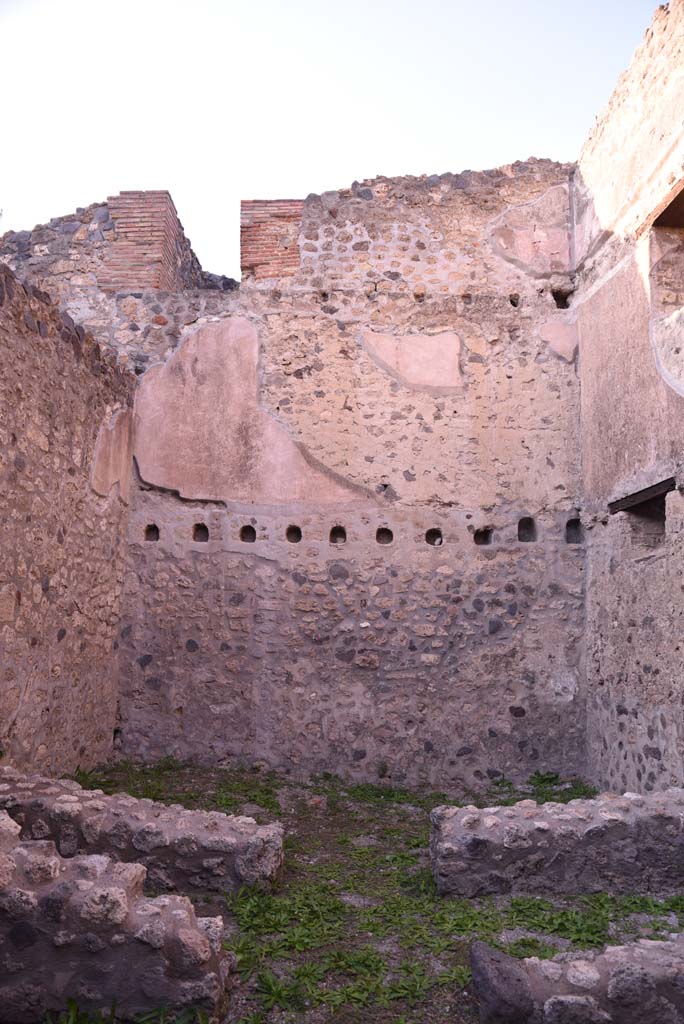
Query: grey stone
{"type": "Point", "coordinates": [622, 844]}
{"type": "Point", "coordinates": [624, 984]}
{"type": "Point", "coordinates": [502, 986]}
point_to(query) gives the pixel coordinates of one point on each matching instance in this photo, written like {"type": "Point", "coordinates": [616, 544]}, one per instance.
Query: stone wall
{"type": "Point", "coordinates": [64, 468]}
{"type": "Point", "coordinates": [365, 481]}
{"type": "Point", "coordinates": [628, 309]}
{"type": "Point", "coordinates": [421, 383]}
{"type": "Point", "coordinates": [449, 663]}
{"type": "Point", "coordinates": [635, 616]}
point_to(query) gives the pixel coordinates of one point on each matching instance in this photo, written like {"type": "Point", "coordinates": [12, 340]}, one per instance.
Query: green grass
{"type": "Point", "coordinates": [73, 1014]}
{"type": "Point", "coordinates": [164, 781]}
{"type": "Point", "coordinates": [544, 787]}
{"type": "Point", "coordinates": [355, 931]}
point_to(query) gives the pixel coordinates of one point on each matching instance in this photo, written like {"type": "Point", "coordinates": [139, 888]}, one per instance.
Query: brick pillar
{"type": "Point", "coordinates": [145, 251]}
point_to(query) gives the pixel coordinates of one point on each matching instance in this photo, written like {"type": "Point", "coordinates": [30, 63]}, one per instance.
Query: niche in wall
{"type": "Point", "coordinates": [384, 535]}
{"type": "Point", "coordinates": [647, 522]}
{"type": "Point", "coordinates": [152, 532]}
{"type": "Point", "coordinates": [434, 537]}
{"type": "Point", "coordinates": [247, 534]}
{"type": "Point", "coordinates": [673, 215]}
{"type": "Point", "coordinates": [527, 530]}
{"type": "Point", "coordinates": [574, 533]}
{"type": "Point", "coordinates": [647, 515]}
{"type": "Point", "coordinates": [483, 535]}
{"type": "Point", "coordinates": [338, 535]}
{"type": "Point", "coordinates": [200, 533]}
{"type": "Point", "coordinates": [293, 534]}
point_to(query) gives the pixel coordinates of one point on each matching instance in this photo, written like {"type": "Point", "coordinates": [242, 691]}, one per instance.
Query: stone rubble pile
{"type": "Point", "coordinates": [624, 843]}
{"type": "Point", "coordinates": [181, 849]}
{"type": "Point", "coordinates": [81, 928]}
{"type": "Point", "coordinates": [641, 981]}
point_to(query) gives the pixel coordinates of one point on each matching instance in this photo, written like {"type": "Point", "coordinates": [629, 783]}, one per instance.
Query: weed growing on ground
{"type": "Point", "coordinates": [544, 787]}
{"type": "Point", "coordinates": [73, 1014]}
{"type": "Point", "coordinates": [355, 933]}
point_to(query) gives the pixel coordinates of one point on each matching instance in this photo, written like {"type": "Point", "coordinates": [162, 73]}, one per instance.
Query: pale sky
{"type": "Point", "coordinates": [222, 100]}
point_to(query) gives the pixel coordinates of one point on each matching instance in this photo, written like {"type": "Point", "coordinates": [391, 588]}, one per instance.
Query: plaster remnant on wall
{"type": "Point", "coordinates": [427, 362]}
{"type": "Point", "coordinates": [561, 337]}
{"type": "Point", "coordinates": [535, 236]}
{"type": "Point", "coordinates": [113, 455]}
{"type": "Point", "coordinates": [668, 343]}
{"type": "Point", "coordinates": [8, 601]}
{"type": "Point", "coordinates": [201, 432]}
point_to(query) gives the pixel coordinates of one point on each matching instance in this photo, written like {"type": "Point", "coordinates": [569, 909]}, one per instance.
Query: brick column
{"type": "Point", "coordinates": [145, 251]}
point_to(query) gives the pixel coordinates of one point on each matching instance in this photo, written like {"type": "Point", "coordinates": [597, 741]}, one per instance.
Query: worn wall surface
{"type": "Point", "coordinates": [64, 470]}
{"type": "Point", "coordinates": [628, 307]}
{"type": "Point", "coordinates": [635, 641]}
{"type": "Point", "coordinates": [402, 396]}
{"type": "Point", "coordinates": [421, 663]}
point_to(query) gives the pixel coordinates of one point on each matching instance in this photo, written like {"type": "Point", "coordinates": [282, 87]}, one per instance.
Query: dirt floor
{"type": "Point", "coordinates": [355, 932]}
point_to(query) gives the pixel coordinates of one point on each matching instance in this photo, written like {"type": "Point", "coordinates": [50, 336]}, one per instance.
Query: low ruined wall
{"type": "Point", "coordinates": [181, 849]}
{"type": "Point", "coordinates": [81, 929]}
{"type": "Point", "coordinates": [619, 844]}
{"type": "Point", "coordinates": [623, 984]}
{"type": "Point", "coordinates": [65, 442]}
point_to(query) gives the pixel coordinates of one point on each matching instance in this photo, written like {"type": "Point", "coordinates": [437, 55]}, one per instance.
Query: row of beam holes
{"type": "Point", "coordinates": [527, 533]}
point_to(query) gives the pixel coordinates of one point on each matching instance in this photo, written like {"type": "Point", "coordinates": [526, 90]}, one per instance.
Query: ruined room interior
{"type": "Point", "coordinates": [394, 526]}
